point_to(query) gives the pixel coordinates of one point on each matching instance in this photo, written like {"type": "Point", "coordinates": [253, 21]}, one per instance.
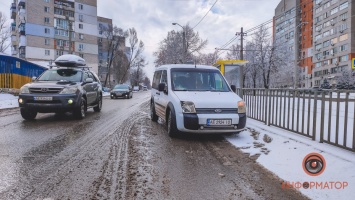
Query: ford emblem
{"type": "Point", "coordinates": [218, 111]}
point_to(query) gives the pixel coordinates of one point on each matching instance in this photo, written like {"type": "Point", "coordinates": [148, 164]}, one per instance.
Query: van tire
{"type": "Point", "coordinates": [171, 124]}
{"type": "Point", "coordinates": [153, 116]}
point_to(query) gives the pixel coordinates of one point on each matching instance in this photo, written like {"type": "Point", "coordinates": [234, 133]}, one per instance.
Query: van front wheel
{"type": "Point", "coordinates": [171, 125]}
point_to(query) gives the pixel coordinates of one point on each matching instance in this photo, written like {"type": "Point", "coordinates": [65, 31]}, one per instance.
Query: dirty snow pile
{"type": "Point", "coordinates": [283, 153]}
{"type": "Point", "coordinates": [8, 101]}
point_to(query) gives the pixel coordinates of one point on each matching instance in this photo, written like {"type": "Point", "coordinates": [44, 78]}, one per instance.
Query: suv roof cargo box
{"type": "Point", "coordinates": [69, 60]}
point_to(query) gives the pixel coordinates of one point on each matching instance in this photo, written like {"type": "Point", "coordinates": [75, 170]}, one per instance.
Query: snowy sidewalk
{"type": "Point", "coordinates": [282, 152]}
{"type": "Point", "coordinates": [8, 101]}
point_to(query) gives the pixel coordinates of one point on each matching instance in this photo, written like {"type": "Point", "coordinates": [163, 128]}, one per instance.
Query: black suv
{"type": "Point", "coordinates": [60, 90]}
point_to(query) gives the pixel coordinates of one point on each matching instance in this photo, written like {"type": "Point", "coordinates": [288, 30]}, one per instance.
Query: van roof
{"type": "Point", "coordinates": [187, 66]}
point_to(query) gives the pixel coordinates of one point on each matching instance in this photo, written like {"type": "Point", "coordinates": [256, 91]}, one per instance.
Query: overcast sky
{"type": "Point", "coordinates": [152, 18]}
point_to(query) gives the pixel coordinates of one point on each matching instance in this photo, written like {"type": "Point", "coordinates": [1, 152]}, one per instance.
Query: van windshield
{"type": "Point", "coordinates": [198, 80]}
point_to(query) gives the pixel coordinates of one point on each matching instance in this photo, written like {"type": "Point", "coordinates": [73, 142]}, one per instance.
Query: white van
{"type": "Point", "coordinates": [195, 99]}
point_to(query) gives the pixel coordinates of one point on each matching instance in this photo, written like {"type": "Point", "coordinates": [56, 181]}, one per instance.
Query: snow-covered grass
{"type": "Point", "coordinates": [8, 101]}
{"type": "Point", "coordinates": [284, 157]}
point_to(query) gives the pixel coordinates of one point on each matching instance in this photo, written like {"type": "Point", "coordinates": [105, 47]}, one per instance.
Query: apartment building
{"type": "Point", "coordinates": [43, 30]}
{"type": "Point", "coordinates": [334, 43]}
{"type": "Point", "coordinates": [285, 36]}
{"type": "Point", "coordinates": [324, 45]}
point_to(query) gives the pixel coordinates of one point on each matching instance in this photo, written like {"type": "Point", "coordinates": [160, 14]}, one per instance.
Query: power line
{"type": "Point", "coordinates": [205, 15]}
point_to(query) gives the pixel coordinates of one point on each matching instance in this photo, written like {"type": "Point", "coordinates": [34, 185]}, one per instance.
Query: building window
{"type": "Point", "coordinates": [59, 53]}
{"type": "Point", "coordinates": [81, 7]}
{"type": "Point", "coordinates": [326, 43]}
{"type": "Point", "coordinates": [81, 36]}
{"type": "Point", "coordinates": [46, 9]}
{"type": "Point", "coordinates": [343, 5]}
{"type": "Point", "coordinates": [81, 18]}
{"type": "Point", "coordinates": [46, 20]}
{"type": "Point", "coordinates": [46, 41]}
{"type": "Point", "coordinates": [334, 10]}
{"type": "Point", "coordinates": [81, 47]}
{"type": "Point", "coordinates": [344, 58]}
{"type": "Point", "coordinates": [47, 31]}
{"type": "Point", "coordinates": [47, 1]}
{"type": "Point", "coordinates": [343, 47]}
{"type": "Point", "coordinates": [343, 37]}
{"type": "Point", "coordinates": [343, 16]}
{"type": "Point", "coordinates": [342, 27]}
{"type": "Point", "coordinates": [81, 26]}
{"type": "Point", "coordinates": [47, 52]}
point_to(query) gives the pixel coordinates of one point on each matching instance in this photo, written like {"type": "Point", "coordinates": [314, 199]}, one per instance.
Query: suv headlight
{"type": "Point", "coordinates": [69, 90]}
{"type": "Point", "coordinates": [241, 107]}
{"type": "Point", "coordinates": [24, 90]}
{"type": "Point", "coordinates": [188, 107]}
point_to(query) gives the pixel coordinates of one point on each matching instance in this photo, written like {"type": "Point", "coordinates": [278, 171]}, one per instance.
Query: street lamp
{"type": "Point", "coordinates": [183, 41]}
{"type": "Point", "coordinates": [296, 55]}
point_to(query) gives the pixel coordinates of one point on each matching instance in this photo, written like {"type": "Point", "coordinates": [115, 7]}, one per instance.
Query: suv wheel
{"type": "Point", "coordinates": [79, 112]}
{"type": "Point", "coordinates": [99, 105]}
{"type": "Point", "coordinates": [153, 116]}
{"type": "Point", "coordinates": [28, 114]}
{"type": "Point", "coordinates": [171, 125]}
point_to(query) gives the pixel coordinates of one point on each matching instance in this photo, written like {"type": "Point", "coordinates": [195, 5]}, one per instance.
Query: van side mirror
{"type": "Point", "coordinates": [89, 80]}
{"type": "Point", "coordinates": [161, 87]}
{"type": "Point", "coordinates": [234, 89]}
{"type": "Point", "coordinates": [34, 78]}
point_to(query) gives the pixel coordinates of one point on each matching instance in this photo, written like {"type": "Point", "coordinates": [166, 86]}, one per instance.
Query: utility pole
{"type": "Point", "coordinates": [241, 70]}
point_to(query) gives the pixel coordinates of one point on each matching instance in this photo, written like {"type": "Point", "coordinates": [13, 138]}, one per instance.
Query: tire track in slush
{"type": "Point", "coordinates": [113, 182]}
{"type": "Point", "coordinates": [52, 176]}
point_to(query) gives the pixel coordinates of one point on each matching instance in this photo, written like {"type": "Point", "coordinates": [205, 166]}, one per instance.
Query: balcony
{"type": "Point", "coordinates": [13, 40]}
{"type": "Point", "coordinates": [22, 4]}
{"type": "Point", "coordinates": [22, 52]}
{"type": "Point", "coordinates": [13, 11]}
{"type": "Point", "coordinates": [13, 28]}
{"type": "Point", "coordinates": [22, 42]}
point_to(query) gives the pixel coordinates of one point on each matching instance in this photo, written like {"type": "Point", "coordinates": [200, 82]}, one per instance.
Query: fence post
{"type": "Point", "coordinates": [315, 115]}
{"type": "Point", "coordinates": [322, 118]}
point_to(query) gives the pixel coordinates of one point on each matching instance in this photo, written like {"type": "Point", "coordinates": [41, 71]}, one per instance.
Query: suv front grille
{"type": "Point", "coordinates": [45, 90]}
{"type": "Point", "coordinates": [216, 110]}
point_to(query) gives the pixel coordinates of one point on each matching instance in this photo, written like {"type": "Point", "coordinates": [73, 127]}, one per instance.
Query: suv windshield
{"type": "Point", "coordinates": [121, 87]}
{"type": "Point", "coordinates": [61, 75]}
{"type": "Point", "coordinates": [198, 80]}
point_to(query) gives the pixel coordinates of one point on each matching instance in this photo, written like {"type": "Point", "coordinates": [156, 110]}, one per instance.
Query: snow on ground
{"type": "Point", "coordinates": [8, 101]}
{"type": "Point", "coordinates": [106, 94]}
{"type": "Point", "coordinates": [284, 155]}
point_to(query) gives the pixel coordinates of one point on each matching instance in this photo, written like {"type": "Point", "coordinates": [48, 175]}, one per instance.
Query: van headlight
{"type": "Point", "coordinates": [241, 107]}
{"type": "Point", "coordinates": [69, 90]}
{"type": "Point", "coordinates": [188, 107]}
{"type": "Point", "coordinates": [24, 90]}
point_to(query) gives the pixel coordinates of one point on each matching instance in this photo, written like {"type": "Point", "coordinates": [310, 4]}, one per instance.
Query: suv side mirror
{"type": "Point", "coordinates": [34, 78]}
{"type": "Point", "coordinates": [234, 89]}
{"type": "Point", "coordinates": [89, 80]}
{"type": "Point", "coordinates": [161, 87]}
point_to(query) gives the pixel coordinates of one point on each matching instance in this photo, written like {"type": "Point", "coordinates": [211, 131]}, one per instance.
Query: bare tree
{"type": "Point", "coordinates": [171, 49]}
{"type": "Point", "coordinates": [134, 54]}
{"type": "Point", "coordinates": [115, 38]}
{"type": "Point", "coordinates": [4, 33]}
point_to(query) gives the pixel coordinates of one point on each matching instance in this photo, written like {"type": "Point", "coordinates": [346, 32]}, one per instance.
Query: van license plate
{"type": "Point", "coordinates": [43, 98]}
{"type": "Point", "coordinates": [219, 122]}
